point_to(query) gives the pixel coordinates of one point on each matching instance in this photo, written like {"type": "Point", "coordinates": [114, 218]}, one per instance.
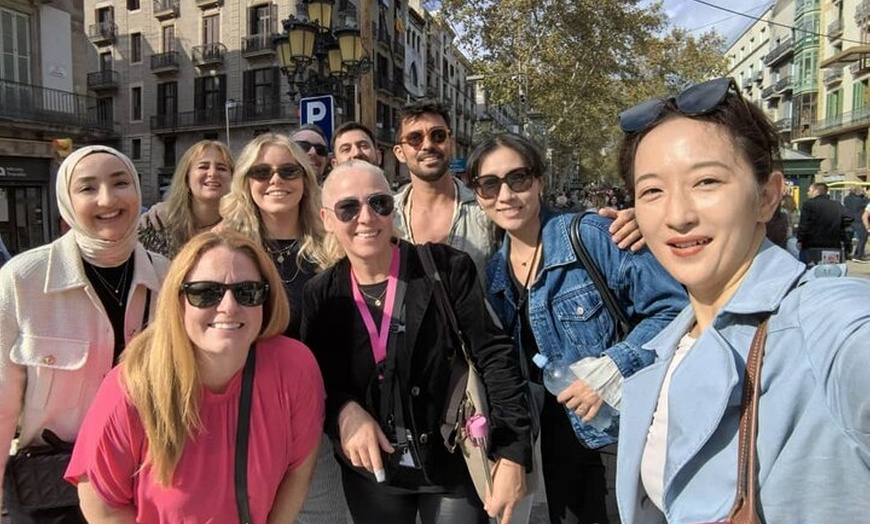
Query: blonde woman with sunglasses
{"type": "Point", "coordinates": [275, 200]}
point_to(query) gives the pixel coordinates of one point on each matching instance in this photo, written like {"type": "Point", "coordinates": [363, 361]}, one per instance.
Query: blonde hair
{"type": "Point", "coordinates": [161, 377]}
{"type": "Point", "coordinates": [180, 226]}
{"type": "Point", "coordinates": [331, 247]}
{"type": "Point", "coordinates": [241, 213]}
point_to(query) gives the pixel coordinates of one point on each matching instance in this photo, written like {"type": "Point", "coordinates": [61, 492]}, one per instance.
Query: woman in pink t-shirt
{"type": "Point", "coordinates": [159, 443]}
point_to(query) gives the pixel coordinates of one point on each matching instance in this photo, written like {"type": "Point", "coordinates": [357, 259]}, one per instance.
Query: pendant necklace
{"type": "Point", "coordinates": [278, 254]}
{"type": "Point", "coordinates": [377, 300]}
{"type": "Point", "coordinates": [114, 290]}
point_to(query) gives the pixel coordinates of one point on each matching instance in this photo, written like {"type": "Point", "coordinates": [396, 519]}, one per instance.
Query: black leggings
{"type": "Point", "coordinates": [574, 476]}
{"type": "Point", "coordinates": [373, 503]}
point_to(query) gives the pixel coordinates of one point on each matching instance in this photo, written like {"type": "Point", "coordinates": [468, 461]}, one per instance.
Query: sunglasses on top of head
{"type": "Point", "coordinates": [264, 172]}
{"type": "Point", "coordinates": [437, 135]}
{"type": "Point", "coordinates": [348, 209]}
{"type": "Point", "coordinates": [696, 100]}
{"type": "Point", "coordinates": [204, 294]}
{"type": "Point", "coordinates": [306, 146]}
{"type": "Point", "coordinates": [518, 180]}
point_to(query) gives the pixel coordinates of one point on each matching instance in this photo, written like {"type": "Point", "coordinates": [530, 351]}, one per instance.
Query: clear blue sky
{"type": "Point", "coordinates": [700, 18]}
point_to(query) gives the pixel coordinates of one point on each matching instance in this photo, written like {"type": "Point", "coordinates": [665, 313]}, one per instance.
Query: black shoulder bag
{"type": "Point", "coordinates": [244, 426]}
{"type": "Point", "coordinates": [623, 326]}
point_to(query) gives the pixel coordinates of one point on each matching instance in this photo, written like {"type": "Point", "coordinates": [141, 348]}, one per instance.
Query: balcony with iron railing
{"type": "Point", "coordinates": [848, 121]}
{"type": "Point", "coordinates": [833, 76]}
{"type": "Point", "coordinates": [43, 106]}
{"type": "Point", "coordinates": [207, 4]}
{"type": "Point", "coordinates": [258, 45]}
{"type": "Point", "coordinates": [242, 114]}
{"type": "Point", "coordinates": [860, 68]}
{"type": "Point", "coordinates": [782, 51]}
{"type": "Point", "coordinates": [784, 125]}
{"type": "Point", "coordinates": [805, 6]}
{"type": "Point", "coordinates": [105, 80]}
{"type": "Point", "coordinates": [166, 9]}
{"type": "Point", "coordinates": [835, 29]}
{"type": "Point", "coordinates": [102, 33]}
{"type": "Point", "coordinates": [862, 12]}
{"type": "Point", "coordinates": [783, 85]}
{"type": "Point", "coordinates": [769, 92]}
{"type": "Point", "coordinates": [165, 62]}
{"type": "Point", "coordinates": [208, 54]}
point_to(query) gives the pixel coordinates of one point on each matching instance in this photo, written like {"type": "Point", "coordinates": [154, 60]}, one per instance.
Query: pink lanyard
{"type": "Point", "coordinates": [377, 338]}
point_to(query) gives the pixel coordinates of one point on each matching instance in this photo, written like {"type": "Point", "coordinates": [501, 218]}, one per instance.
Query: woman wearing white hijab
{"type": "Point", "coordinates": [68, 308]}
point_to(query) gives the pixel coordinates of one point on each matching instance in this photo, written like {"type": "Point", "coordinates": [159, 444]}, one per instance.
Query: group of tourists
{"type": "Point", "coordinates": [269, 344]}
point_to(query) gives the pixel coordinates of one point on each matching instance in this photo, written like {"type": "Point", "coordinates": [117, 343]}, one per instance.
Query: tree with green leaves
{"type": "Point", "coordinates": [578, 63]}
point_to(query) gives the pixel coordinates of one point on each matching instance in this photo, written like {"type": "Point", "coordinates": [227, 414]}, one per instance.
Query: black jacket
{"type": "Point", "coordinates": [822, 223]}
{"type": "Point", "coordinates": [333, 328]}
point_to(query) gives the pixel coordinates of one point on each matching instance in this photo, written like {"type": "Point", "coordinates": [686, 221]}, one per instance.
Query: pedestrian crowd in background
{"type": "Point", "coordinates": [294, 363]}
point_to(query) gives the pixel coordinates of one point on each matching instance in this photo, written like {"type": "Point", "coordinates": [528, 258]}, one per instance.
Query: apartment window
{"type": "Point", "coordinates": [261, 90]}
{"type": "Point", "coordinates": [132, 5]}
{"type": "Point", "coordinates": [168, 38]}
{"type": "Point", "coordinates": [135, 47]}
{"type": "Point", "coordinates": [106, 61]}
{"type": "Point", "coordinates": [169, 151]}
{"type": "Point", "coordinates": [167, 99]}
{"type": "Point", "coordinates": [261, 19]}
{"type": "Point", "coordinates": [136, 103]}
{"type": "Point", "coordinates": [14, 46]}
{"type": "Point", "coordinates": [106, 16]}
{"type": "Point", "coordinates": [835, 154]}
{"type": "Point", "coordinates": [834, 105]}
{"type": "Point", "coordinates": [136, 149]}
{"type": "Point", "coordinates": [211, 29]}
{"type": "Point", "coordinates": [209, 96]}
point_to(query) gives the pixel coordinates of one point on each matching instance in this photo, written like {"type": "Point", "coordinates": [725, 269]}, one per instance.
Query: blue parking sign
{"type": "Point", "coordinates": [320, 111]}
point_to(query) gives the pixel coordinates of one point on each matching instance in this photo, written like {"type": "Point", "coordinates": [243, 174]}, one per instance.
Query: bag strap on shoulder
{"type": "Point", "coordinates": [244, 425]}
{"type": "Point", "coordinates": [623, 326]}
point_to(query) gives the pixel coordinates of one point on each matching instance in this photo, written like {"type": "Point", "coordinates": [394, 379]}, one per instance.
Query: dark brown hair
{"type": "Point", "coordinates": [417, 108]}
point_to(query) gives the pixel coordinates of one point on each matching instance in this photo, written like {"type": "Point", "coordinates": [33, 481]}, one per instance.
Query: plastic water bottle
{"type": "Point", "coordinates": [558, 376]}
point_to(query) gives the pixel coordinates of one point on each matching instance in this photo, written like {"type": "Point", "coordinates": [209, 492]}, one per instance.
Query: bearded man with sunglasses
{"type": "Point", "coordinates": [435, 207]}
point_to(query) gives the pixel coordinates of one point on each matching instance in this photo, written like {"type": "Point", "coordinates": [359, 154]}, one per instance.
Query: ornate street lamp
{"type": "Point", "coordinates": [309, 38]}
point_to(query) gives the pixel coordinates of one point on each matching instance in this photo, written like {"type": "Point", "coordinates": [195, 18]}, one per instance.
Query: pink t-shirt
{"type": "Point", "coordinates": [286, 424]}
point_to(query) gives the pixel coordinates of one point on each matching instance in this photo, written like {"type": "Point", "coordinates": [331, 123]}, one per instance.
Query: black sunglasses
{"type": "Point", "coordinates": [204, 293]}
{"type": "Point", "coordinates": [348, 209]}
{"type": "Point", "coordinates": [698, 99]}
{"type": "Point", "coordinates": [264, 172]}
{"type": "Point", "coordinates": [306, 146]}
{"type": "Point", "coordinates": [518, 180]}
{"type": "Point", "coordinates": [438, 135]}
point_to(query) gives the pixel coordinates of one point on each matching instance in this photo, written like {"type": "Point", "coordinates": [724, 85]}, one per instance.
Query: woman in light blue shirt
{"type": "Point", "coordinates": [705, 170]}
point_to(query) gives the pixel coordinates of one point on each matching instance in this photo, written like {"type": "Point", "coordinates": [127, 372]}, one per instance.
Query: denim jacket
{"type": "Point", "coordinates": [813, 414]}
{"type": "Point", "coordinates": [566, 312]}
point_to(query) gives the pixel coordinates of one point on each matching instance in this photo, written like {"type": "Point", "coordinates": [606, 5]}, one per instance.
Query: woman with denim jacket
{"type": "Point", "coordinates": [705, 169]}
{"type": "Point", "coordinates": [546, 299]}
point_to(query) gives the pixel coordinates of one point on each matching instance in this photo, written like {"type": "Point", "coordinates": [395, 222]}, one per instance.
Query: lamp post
{"type": "Point", "coordinates": [309, 39]}
{"type": "Point", "coordinates": [229, 104]}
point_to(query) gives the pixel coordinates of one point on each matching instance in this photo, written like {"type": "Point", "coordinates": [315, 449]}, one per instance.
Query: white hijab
{"type": "Point", "coordinates": [99, 252]}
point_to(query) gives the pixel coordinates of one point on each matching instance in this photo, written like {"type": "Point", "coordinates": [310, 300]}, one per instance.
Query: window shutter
{"type": "Point", "coordinates": [198, 93]}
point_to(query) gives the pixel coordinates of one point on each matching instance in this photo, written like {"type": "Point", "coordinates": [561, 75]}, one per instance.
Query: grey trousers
{"type": "Point", "coordinates": [325, 503]}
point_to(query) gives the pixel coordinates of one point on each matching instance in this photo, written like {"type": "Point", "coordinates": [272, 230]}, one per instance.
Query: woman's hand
{"type": "Point", "coordinates": [362, 439]}
{"type": "Point", "coordinates": [624, 230]}
{"type": "Point", "coordinates": [580, 398]}
{"type": "Point", "coordinates": [508, 488]}
{"type": "Point", "coordinates": [153, 217]}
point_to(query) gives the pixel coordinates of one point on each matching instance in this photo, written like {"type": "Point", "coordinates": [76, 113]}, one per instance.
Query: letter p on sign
{"type": "Point", "coordinates": [320, 111]}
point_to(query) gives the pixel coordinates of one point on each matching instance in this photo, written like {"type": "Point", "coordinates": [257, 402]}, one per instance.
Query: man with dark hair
{"type": "Point", "coordinates": [855, 202]}
{"type": "Point", "coordinates": [354, 140]}
{"type": "Point", "coordinates": [312, 140]}
{"type": "Point", "coordinates": [822, 224]}
{"type": "Point", "coordinates": [435, 207]}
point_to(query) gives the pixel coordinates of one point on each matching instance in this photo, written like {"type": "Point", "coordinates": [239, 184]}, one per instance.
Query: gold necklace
{"type": "Point", "coordinates": [115, 290]}
{"type": "Point", "coordinates": [278, 254]}
{"type": "Point", "coordinates": [378, 300]}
